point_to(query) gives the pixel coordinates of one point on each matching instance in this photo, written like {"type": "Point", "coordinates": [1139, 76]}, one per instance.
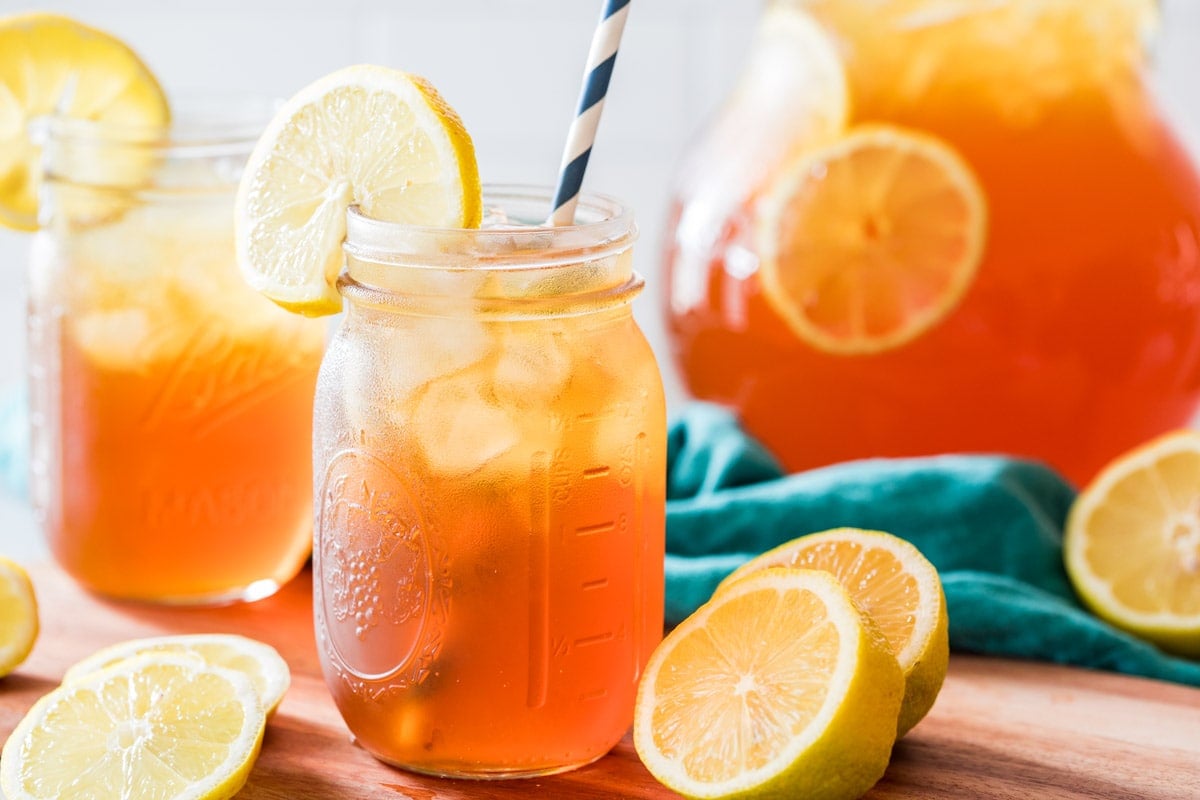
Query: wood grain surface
{"type": "Point", "coordinates": [1000, 729]}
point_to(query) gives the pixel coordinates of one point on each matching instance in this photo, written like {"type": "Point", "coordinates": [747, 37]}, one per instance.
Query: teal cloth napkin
{"type": "Point", "coordinates": [991, 525]}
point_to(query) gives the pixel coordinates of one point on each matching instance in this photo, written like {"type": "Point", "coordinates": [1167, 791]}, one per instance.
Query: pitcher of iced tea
{"type": "Point", "coordinates": [927, 226]}
{"type": "Point", "coordinates": [489, 451]}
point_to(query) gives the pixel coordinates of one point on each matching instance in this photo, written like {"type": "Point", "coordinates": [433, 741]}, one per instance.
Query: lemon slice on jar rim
{"type": "Point", "coordinates": [370, 136]}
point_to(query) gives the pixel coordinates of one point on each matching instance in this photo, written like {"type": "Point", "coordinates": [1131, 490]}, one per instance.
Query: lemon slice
{"type": "Point", "coordinates": [777, 687]}
{"type": "Point", "coordinates": [258, 661]}
{"type": "Point", "coordinates": [53, 65]}
{"type": "Point", "coordinates": [896, 586]}
{"type": "Point", "coordinates": [18, 615]}
{"type": "Point", "coordinates": [155, 727]}
{"type": "Point", "coordinates": [870, 242]}
{"type": "Point", "coordinates": [1132, 546]}
{"type": "Point", "coordinates": [369, 136]}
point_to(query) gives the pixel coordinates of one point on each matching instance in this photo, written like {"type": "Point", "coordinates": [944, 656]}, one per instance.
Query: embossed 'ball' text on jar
{"type": "Point", "coordinates": [489, 457]}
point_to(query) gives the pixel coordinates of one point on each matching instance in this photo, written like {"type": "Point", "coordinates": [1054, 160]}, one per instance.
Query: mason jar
{"type": "Point", "coordinates": [171, 405]}
{"type": "Point", "coordinates": [489, 453]}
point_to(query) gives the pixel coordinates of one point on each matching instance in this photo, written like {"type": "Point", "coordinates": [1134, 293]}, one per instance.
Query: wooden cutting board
{"type": "Point", "coordinates": [1000, 729]}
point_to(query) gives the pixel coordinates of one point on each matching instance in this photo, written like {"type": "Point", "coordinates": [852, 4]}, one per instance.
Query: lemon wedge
{"type": "Point", "coordinates": [893, 582]}
{"type": "Point", "coordinates": [51, 65]}
{"type": "Point", "coordinates": [18, 615]}
{"type": "Point", "coordinates": [777, 687]}
{"type": "Point", "coordinates": [154, 727]}
{"type": "Point", "coordinates": [258, 661]}
{"type": "Point", "coordinates": [870, 242]}
{"type": "Point", "coordinates": [369, 136]}
{"type": "Point", "coordinates": [1132, 542]}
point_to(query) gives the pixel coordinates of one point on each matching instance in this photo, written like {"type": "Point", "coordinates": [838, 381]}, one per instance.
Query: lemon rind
{"type": "Point", "coordinates": [810, 764]}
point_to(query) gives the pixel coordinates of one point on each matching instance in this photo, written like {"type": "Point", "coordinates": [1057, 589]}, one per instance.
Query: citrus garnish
{"type": "Point", "coordinates": [258, 661]}
{"type": "Point", "coordinates": [896, 586]}
{"type": "Point", "coordinates": [368, 136]}
{"type": "Point", "coordinates": [154, 727]}
{"type": "Point", "coordinates": [18, 615]}
{"type": "Point", "coordinates": [1132, 546]}
{"type": "Point", "coordinates": [870, 242]}
{"type": "Point", "coordinates": [51, 65]}
{"type": "Point", "coordinates": [778, 686]}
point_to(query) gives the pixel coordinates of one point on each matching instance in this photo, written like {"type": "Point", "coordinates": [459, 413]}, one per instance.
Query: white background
{"type": "Point", "coordinates": [512, 69]}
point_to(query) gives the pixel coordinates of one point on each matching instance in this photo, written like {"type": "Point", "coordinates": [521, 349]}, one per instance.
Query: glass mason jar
{"type": "Point", "coordinates": [171, 405]}
{"type": "Point", "coordinates": [927, 226]}
{"type": "Point", "coordinates": [490, 452]}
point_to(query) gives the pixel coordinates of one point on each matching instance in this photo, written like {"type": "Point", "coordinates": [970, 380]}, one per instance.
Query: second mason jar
{"type": "Point", "coordinates": [489, 465]}
{"type": "Point", "coordinates": [171, 404]}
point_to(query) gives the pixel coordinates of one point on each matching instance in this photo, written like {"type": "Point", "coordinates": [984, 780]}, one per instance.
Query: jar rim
{"type": "Point", "coordinates": [201, 126]}
{"type": "Point", "coordinates": [603, 225]}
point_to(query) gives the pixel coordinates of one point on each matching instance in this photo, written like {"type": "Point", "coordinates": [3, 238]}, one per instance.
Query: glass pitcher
{"type": "Point", "coordinates": [926, 226]}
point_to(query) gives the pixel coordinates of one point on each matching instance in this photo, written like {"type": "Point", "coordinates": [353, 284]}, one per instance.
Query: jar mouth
{"type": "Point", "coordinates": [519, 270]}
{"type": "Point", "coordinates": [202, 126]}
{"type": "Point", "coordinates": [521, 240]}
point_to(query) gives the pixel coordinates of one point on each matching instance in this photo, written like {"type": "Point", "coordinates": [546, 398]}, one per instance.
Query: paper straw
{"type": "Point", "coordinates": [601, 59]}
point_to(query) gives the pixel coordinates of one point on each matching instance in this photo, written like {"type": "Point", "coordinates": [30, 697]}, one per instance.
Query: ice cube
{"type": "Point", "coordinates": [420, 349]}
{"type": "Point", "coordinates": [388, 361]}
{"type": "Point", "coordinates": [458, 429]}
{"type": "Point", "coordinates": [118, 340]}
{"type": "Point", "coordinates": [494, 217]}
{"type": "Point", "coordinates": [532, 366]}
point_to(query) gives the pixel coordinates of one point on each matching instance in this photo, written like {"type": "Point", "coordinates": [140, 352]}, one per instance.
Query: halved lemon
{"type": "Point", "coordinates": [155, 727]}
{"type": "Point", "coordinates": [1132, 546]}
{"type": "Point", "coordinates": [258, 661]}
{"type": "Point", "coordinates": [889, 579]}
{"type": "Point", "coordinates": [18, 615]}
{"type": "Point", "coordinates": [51, 65]}
{"type": "Point", "coordinates": [870, 242]}
{"type": "Point", "coordinates": [369, 136]}
{"type": "Point", "coordinates": [777, 687]}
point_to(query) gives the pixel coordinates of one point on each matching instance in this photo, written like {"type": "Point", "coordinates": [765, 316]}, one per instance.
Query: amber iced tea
{"type": "Point", "coordinates": [490, 480]}
{"type": "Point", "coordinates": [171, 403]}
{"type": "Point", "coordinates": [1079, 334]}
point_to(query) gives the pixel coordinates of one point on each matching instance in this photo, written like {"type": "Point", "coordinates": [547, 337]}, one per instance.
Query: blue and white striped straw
{"type": "Point", "coordinates": [601, 59]}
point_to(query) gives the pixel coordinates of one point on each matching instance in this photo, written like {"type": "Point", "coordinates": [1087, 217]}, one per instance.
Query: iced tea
{"type": "Point", "coordinates": [171, 404]}
{"type": "Point", "coordinates": [1079, 335]}
{"type": "Point", "coordinates": [490, 452]}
